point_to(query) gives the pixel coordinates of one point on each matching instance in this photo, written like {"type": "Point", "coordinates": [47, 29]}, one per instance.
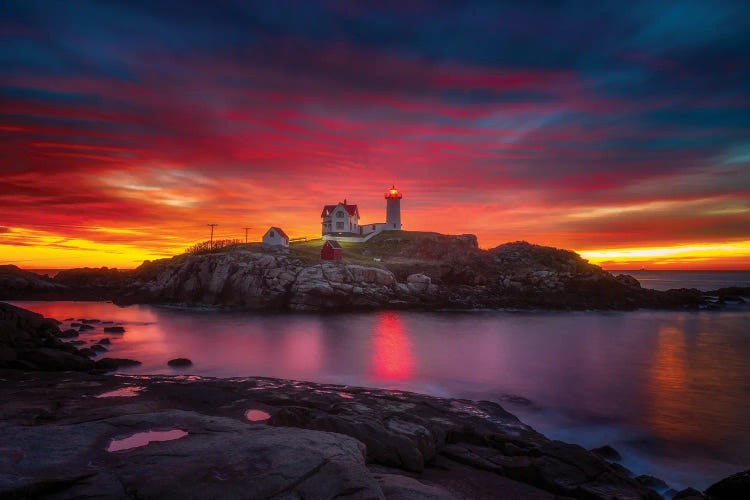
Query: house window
{"type": "Point", "coordinates": [339, 225]}
{"type": "Point", "coordinates": [272, 234]}
{"type": "Point", "coordinates": [340, 215]}
{"type": "Point", "coordinates": [373, 227]}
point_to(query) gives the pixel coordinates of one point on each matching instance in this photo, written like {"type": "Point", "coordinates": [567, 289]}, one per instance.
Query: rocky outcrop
{"type": "Point", "coordinates": [18, 284]}
{"type": "Point", "coordinates": [218, 458]}
{"type": "Point", "coordinates": [30, 341]}
{"type": "Point", "coordinates": [516, 275]}
{"type": "Point", "coordinates": [261, 281]}
{"type": "Point", "coordinates": [420, 270]}
{"type": "Point", "coordinates": [334, 286]}
{"type": "Point", "coordinates": [734, 487]}
{"type": "Point", "coordinates": [321, 441]}
{"type": "Point", "coordinates": [236, 279]}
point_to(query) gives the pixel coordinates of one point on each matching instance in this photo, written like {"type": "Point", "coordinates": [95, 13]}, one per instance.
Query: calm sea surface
{"type": "Point", "coordinates": [702, 280]}
{"type": "Point", "coordinates": [670, 390]}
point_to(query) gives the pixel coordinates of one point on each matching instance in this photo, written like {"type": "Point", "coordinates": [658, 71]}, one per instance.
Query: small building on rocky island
{"type": "Point", "coordinates": [276, 237]}
{"type": "Point", "coordinates": [331, 251]}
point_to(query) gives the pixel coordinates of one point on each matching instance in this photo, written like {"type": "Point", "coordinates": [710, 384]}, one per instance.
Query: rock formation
{"type": "Point", "coordinates": [403, 270]}
{"type": "Point", "coordinates": [321, 441]}
{"type": "Point", "coordinates": [30, 341]}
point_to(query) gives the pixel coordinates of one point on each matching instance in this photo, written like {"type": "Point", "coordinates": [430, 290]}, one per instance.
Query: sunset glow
{"type": "Point", "coordinates": [120, 145]}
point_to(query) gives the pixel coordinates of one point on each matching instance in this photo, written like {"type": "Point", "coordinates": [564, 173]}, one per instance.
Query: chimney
{"type": "Point", "coordinates": [344, 201]}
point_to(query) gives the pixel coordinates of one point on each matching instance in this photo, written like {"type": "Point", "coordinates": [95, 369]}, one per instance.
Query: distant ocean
{"type": "Point", "coordinates": [702, 280]}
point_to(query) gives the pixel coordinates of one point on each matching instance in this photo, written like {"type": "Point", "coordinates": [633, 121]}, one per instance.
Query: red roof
{"type": "Point", "coordinates": [332, 244]}
{"type": "Point", "coordinates": [351, 209]}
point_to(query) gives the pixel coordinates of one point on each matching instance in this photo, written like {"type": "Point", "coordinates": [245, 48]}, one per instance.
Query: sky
{"type": "Point", "coordinates": [621, 131]}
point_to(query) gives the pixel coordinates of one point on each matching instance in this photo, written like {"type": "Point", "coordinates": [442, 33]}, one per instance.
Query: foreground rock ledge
{"type": "Point", "coordinates": [321, 441]}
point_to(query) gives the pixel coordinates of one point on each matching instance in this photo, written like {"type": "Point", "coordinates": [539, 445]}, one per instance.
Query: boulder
{"type": "Point", "coordinates": [114, 329]}
{"type": "Point", "coordinates": [418, 282]}
{"type": "Point", "coordinates": [49, 359]}
{"type": "Point", "coordinates": [68, 334]}
{"type": "Point", "coordinates": [111, 364]}
{"type": "Point", "coordinates": [179, 362]}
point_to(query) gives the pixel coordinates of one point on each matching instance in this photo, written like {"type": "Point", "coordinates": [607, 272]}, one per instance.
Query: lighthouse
{"type": "Point", "coordinates": [393, 209]}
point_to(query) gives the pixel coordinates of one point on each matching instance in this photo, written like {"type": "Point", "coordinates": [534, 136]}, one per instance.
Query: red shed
{"type": "Point", "coordinates": [331, 251]}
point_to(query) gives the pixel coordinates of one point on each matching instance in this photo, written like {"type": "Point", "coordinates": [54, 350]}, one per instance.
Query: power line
{"type": "Point", "coordinates": [212, 226]}
{"type": "Point", "coordinates": [246, 229]}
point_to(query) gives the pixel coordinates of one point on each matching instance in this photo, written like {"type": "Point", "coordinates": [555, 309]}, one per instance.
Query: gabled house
{"type": "Point", "coordinates": [340, 218]}
{"type": "Point", "coordinates": [276, 237]}
{"type": "Point", "coordinates": [341, 221]}
{"type": "Point", "coordinates": [331, 251]}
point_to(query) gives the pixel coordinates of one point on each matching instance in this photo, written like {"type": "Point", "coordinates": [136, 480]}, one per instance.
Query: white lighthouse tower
{"type": "Point", "coordinates": [393, 209]}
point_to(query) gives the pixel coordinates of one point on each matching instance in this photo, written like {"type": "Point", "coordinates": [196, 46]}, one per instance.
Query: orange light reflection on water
{"type": "Point", "coordinates": [392, 359]}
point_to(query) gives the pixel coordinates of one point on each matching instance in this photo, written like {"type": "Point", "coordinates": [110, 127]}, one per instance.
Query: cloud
{"type": "Point", "coordinates": [492, 118]}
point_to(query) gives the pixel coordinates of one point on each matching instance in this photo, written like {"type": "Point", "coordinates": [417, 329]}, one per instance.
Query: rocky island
{"type": "Point", "coordinates": [396, 270]}
{"type": "Point", "coordinates": [69, 430]}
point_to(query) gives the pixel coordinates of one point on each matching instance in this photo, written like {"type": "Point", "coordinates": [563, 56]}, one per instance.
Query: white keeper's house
{"type": "Point", "coordinates": [276, 237]}
{"type": "Point", "coordinates": [341, 221]}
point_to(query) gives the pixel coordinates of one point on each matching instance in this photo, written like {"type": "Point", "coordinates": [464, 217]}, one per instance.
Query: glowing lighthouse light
{"type": "Point", "coordinates": [393, 209]}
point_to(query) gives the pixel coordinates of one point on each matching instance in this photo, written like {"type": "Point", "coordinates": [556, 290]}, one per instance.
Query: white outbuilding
{"type": "Point", "coordinates": [276, 237]}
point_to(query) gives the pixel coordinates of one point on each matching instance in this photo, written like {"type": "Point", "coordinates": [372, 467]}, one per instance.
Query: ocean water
{"type": "Point", "coordinates": [702, 280]}
{"type": "Point", "coordinates": [669, 390]}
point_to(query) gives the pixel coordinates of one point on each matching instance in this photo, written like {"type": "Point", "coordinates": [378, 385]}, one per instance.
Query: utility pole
{"type": "Point", "coordinates": [246, 229]}
{"type": "Point", "coordinates": [211, 245]}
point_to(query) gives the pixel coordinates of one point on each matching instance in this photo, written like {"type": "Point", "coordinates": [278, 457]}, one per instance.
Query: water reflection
{"type": "Point", "coordinates": [124, 392]}
{"type": "Point", "coordinates": [668, 385]}
{"type": "Point", "coordinates": [257, 415]}
{"type": "Point", "coordinates": [671, 390]}
{"type": "Point", "coordinates": [143, 438]}
{"type": "Point", "coordinates": [392, 359]}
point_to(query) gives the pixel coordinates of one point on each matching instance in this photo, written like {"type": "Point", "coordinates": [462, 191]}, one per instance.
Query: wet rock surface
{"type": "Point", "coordinates": [321, 441]}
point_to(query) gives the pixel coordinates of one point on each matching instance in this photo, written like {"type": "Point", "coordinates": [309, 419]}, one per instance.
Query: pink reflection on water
{"type": "Point", "coordinates": [256, 415]}
{"type": "Point", "coordinates": [143, 438]}
{"type": "Point", "coordinates": [391, 353]}
{"type": "Point", "coordinates": [124, 392]}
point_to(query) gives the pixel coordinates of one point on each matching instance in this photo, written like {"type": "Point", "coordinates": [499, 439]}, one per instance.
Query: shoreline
{"type": "Point", "coordinates": [433, 444]}
{"type": "Point", "coordinates": [422, 443]}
